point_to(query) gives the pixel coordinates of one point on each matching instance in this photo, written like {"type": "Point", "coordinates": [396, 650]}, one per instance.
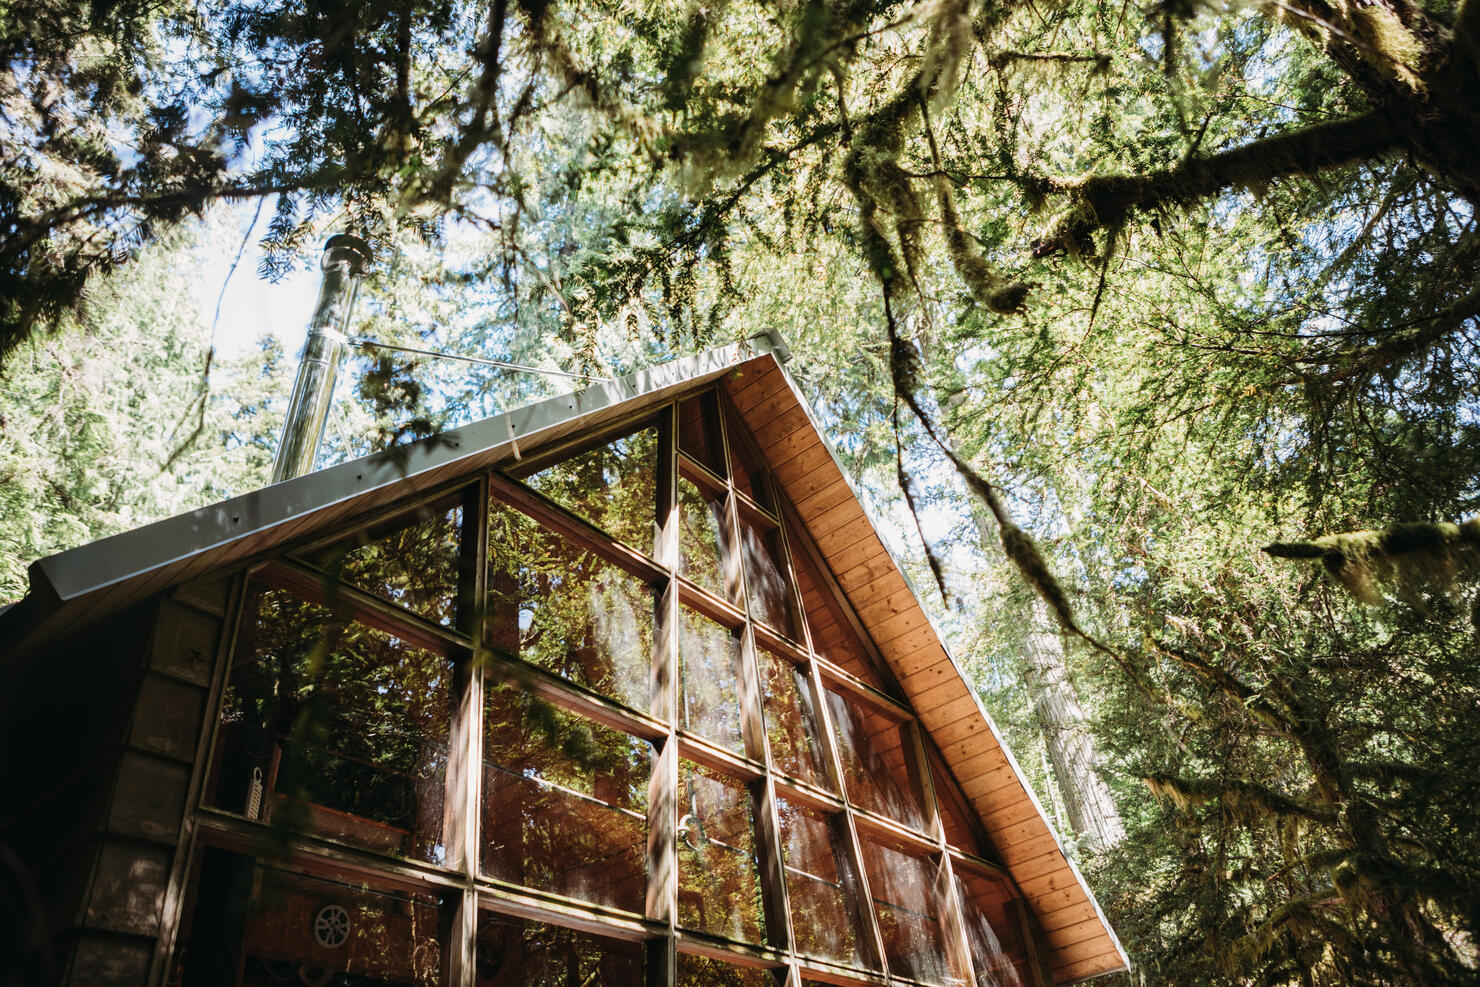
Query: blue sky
{"type": "Point", "coordinates": [252, 306]}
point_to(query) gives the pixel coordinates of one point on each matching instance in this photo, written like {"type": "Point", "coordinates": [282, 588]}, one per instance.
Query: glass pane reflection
{"type": "Point", "coordinates": [982, 902]}
{"type": "Point", "coordinates": [710, 656]}
{"type": "Point", "coordinates": [766, 579]}
{"type": "Point", "coordinates": [718, 883]}
{"type": "Point", "coordinates": [874, 756]}
{"type": "Point", "coordinates": [568, 611]}
{"type": "Point", "coordinates": [564, 802]}
{"type": "Point", "coordinates": [334, 729]}
{"type": "Point", "coordinates": [821, 885]}
{"type": "Point", "coordinates": [791, 720]}
{"type": "Point", "coordinates": [700, 971]}
{"type": "Point", "coordinates": [411, 562]}
{"type": "Point", "coordinates": [515, 952]}
{"type": "Point", "coordinates": [701, 537]}
{"type": "Point", "coordinates": [249, 924]}
{"type": "Point", "coordinates": [903, 888]}
{"type": "Point", "coordinates": [614, 486]}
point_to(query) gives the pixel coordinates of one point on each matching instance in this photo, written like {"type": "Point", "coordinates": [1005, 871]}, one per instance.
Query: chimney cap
{"type": "Point", "coordinates": [346, 247]}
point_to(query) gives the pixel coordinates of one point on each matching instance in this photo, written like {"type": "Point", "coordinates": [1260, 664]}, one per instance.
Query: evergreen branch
{"type": "Point", "coordinates": [907, 487]}
{"type": "Point", "coordinates": [1403, 346]}
{"type": "Point", "coordinates": [1300, 915]}
{"type": "Point", "coordinates": [1101, 201]}
{"type": "Point", "coordinates": [203, 396]}
{"type": "Point", "coordinates": [1001, 59]}
{"type": "Point", "coordinates": [905, 374]}
{"type": "Point", "coordinates": [88, 206]}
{"type": "Point", "coordinates": [818, 36]}
{"type": "Point", "coordinates": [485, 123]}
{"type": "Point", "coordinates": [1232, 687]}
{"type": "Point", "coordinates": [1250, 801]}
{"type": "Point", "coordinates": [1359, 242]}
{"type": "Point", "coordinates": [988, 288]}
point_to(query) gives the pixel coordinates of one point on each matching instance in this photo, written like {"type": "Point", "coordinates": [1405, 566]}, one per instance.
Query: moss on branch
{"type": "Point", "coordinates": [1406, 554]}
{"type": "Point", "coordinates": [1101, 201]}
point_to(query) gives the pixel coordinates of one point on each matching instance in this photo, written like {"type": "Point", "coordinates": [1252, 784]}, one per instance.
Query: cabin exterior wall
{"type": "Point", "coordinates": [134, 817]}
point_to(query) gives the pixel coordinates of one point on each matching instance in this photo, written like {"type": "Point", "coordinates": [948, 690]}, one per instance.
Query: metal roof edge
{"type": "Point", "coordinates": [79, 571]}
{"type": "Point", "coordinates": [956, 665]}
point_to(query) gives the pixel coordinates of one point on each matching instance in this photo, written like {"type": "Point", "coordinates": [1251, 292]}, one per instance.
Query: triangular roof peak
{"type": "Point", "coordinates": [94, 580]}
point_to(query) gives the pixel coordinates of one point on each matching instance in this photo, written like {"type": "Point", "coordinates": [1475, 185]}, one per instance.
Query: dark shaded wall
{"type": "Point", "coordinates": [101, 729]}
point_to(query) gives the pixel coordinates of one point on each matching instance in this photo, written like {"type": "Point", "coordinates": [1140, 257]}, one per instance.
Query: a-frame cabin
{"type": "Point", "coordinates": [619, 688]}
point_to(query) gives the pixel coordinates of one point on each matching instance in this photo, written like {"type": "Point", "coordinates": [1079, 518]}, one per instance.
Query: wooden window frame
{"type": "Point", "coordinates": [463, 890]}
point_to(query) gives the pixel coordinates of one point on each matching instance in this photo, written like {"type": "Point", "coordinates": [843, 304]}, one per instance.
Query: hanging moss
{"type": "Point", "coordinates": [990, 290]}
{"type": "Point", "coordinates": [1407, 556]}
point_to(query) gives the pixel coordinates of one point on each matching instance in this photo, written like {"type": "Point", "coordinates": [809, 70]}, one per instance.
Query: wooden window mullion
{"type": "Point", "coordinates": [661, 903]}
{"type": "Point", "coordinates": [953, 922]}
{"type": "Point", "coordinates": [873, 944]}
{"type": "Point", "coordinates": [769, 847]}
{"type": "Point", "coordinates": [950, 908]}
{"type": "Point", "coordinates": [804, 628]}
{"type": "Point", "coordinates": [465, 740]}
{"type": "Point", "coordinates": [917, 758]}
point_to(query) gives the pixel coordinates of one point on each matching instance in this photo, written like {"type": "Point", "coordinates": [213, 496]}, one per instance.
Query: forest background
{"type": "Point", "coordinates": [1131, 307]}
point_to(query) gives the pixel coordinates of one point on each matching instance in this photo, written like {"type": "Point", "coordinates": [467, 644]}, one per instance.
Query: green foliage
{"type": "Point", "coordinates": [1164, 289]}
{"type": "Point", "coordinates": [98, 430]}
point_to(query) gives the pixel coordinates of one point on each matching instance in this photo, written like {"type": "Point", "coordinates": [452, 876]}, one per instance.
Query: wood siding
{"type": "Point", "coordinates": [1078, 939]}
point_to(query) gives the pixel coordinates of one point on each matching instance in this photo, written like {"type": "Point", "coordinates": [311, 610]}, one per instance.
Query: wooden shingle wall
{"type": "Point", "coordinates": [103, 843]}
{"type": "Point", "coordinates": [122, 935]}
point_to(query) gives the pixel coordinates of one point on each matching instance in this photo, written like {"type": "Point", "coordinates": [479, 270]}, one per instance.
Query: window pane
{"type": "Point", "coordinates": [334, 729]}
{"type": "Point", "coordinates": [514, 952]}
{"type": "Point", "coordinates": [954, 814]}
{"type": "Point", "coordinates": [700, 971]}
{"type": "Point", "coordinates": [766, 578]}
{"type": "Point", "coordinates": [749, 473]}
{"type": "Point", "coordinates": [791, 721]}
{"type": "Point", "coordinates": [564, 801]}
{"type": "Point", "coordinates": [903, 888]}
{"type": "Point", "coordinates": [832, 637]}
{"type": "Point", "coordinates": [710, 655]}
{"type": "Point", "coordinates": [824, 892]}
{"type": "Point", "coordinates": [562, 608]}
{"type": "Point", "coordinates": [718, 883]}
{"type": "Point", "coordinates": [412, 562]}
{"type": "Point", "coordinates": [872, 749]}
{"type": "Point", "coordinates": [995, 957]}
{"type": "Point", "coordinates": [614, 486]}
{"type": "Point", "coordinates": [702, 540]}
{"type": "Point", "coordinates": [698, 431]}
{"type": "Point", "coordinates": [251, 924]}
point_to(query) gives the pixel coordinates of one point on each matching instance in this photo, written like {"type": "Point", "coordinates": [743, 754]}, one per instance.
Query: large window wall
{"type": "Point", "coordinates": [599, 717]}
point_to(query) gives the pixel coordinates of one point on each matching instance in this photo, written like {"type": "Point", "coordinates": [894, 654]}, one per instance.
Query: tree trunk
{"type": "Point", "coordinates": [1086, 798]}
{"type": "Point", "coordinates": [1071, 750]}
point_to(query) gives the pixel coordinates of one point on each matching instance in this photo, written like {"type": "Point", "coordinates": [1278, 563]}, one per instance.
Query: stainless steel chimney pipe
{"type": "Point", "coordinates": [345, 261]}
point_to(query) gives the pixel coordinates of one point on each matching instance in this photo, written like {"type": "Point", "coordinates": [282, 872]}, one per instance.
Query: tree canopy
{"type": "Point", "coordinates": [1153, 301]}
